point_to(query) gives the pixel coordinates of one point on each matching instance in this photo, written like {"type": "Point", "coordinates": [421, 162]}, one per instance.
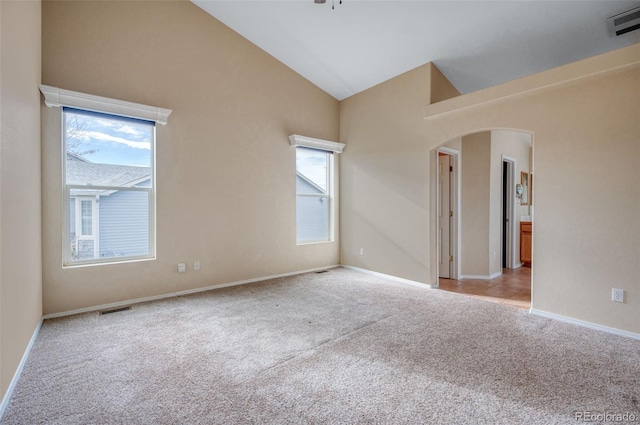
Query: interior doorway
{"type": "Point", "coordinates": [505, 215]}
{"type": "Point", "coordinates": [484, 179]}
{"type": "Point", "coordinates": [447, 217]}
{"type": "Point", "coordinates": [445, 214]}
{"type": "Point", "coordinates": [508, 218]}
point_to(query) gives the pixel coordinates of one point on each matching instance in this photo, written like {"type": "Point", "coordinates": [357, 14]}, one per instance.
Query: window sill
{"type": "Point", "coordinates": [313, 242]}
{"type": "Point", "coordinates": [107, 262]}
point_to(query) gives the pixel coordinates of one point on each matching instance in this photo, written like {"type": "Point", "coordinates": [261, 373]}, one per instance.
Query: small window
{"type": "Point", "coordinates": [83, 241]}
{"type": "Point", "coordinates": [109, 188]}
{"type": "Point", "coordinates": [87, 218]}
{"type": "Point", "coordinates": [313, 195]}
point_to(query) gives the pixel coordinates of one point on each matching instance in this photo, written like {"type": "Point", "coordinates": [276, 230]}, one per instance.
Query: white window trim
{"type": "Point", "coordinates": [325, 145]}
{"type": "Point", "coordinates": [56, 97]}
{"type": "Point", "coordinates": [310, 142]}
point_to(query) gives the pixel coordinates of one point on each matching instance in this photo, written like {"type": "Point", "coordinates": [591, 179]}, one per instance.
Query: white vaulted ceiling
{"type": "Point", "coordinates": [476, 44]}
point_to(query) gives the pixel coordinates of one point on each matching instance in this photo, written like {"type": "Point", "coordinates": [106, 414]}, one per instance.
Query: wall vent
{"type": "Point", "coordinates": [115, 310]}
{"type": "Point", "coordinates": [624, 23]}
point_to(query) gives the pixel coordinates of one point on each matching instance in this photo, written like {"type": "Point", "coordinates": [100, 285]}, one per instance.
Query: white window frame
{"type": "Point", "coordinates": [57, 97]}
{"type": "Point", "coordinates": [81, 191]}
{"type": "Point", "coordinates": [332, 148]}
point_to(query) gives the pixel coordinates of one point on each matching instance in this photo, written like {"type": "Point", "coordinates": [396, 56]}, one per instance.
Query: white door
{"type": "Point", "coordinates": [444, 215]}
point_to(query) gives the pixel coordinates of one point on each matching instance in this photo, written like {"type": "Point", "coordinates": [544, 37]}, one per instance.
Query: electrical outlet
{"type": "Point", "coordinates": [196, 265]}
{"type": "Point", "coordinates": [182, 267]}
{"type": "Point", "coordinates": [617, 295]}
{"type": "Point", "coordinates": [361, 251]}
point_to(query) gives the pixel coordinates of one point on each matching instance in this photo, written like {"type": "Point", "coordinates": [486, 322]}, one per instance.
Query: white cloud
{"type": "Point", "coordinates": [127, 129]}
{"type": "Point", "coordinates": [109, 138]}
{"type": "Point", "coordinates": [105, 122]}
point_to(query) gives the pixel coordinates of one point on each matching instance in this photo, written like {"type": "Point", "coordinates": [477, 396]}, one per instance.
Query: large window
{"type": "Point", "coordinates": [313, 195]}
{"type": "Point", "coordinates": [108, 188]}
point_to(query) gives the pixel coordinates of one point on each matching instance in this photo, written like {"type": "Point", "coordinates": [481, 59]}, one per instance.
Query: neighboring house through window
{"type": "Point", "coordinates": [313, 195]}
{"type": "Point", "coordinates": [109, 187]}
{"type": "Point", "coordinates": [314, 188]}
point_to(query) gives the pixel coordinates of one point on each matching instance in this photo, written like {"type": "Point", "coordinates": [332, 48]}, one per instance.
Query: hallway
{"type": "Point", "coordinates": [512, 288]}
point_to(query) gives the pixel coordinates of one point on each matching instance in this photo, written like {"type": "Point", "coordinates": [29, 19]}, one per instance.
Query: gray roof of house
{"type": "Point", "coordinates": [83, 172]}
{"type": "Point", "coordinates": [310, 182]}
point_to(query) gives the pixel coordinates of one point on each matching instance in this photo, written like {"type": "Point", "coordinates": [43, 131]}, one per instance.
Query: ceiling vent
{"type": "Point", "coordinates": [624, 23]}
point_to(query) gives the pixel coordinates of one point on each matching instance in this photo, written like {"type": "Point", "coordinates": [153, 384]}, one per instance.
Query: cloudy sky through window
{"type": "Point", "coordinates": [313, 165]}
{"type": "Point", "coordinates": [106, 140]}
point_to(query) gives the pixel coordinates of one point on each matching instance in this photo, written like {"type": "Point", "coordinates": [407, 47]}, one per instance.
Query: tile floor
{"type": "Point", "coordinates": [512, 288]}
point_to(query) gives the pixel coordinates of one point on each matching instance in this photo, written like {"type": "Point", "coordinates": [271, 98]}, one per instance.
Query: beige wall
{"type": "Point", "coordinates": [20, 214]}
{"type": "Point", "coordinates": [585, 125]}
{"type": "Point", "coordinates": [476, 201]}
{"type": "Point", "coordinates": [385, 178]}
{"type": "Point", "coordinates": [225, 170]}
{"type": "Point", "coordinates": [441, 88]}
{"type": "Point", "coordinates": [455, 144]}
{"type": "Point", "coordinates": [495, 207]}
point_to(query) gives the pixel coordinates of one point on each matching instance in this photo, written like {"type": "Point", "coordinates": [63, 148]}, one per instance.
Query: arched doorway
{"type": "Point", "coordinates": [479, 214]}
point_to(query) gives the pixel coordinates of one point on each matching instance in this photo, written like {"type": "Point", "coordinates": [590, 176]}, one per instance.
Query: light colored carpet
{"type": "Point", "coordinates": [338, 347]}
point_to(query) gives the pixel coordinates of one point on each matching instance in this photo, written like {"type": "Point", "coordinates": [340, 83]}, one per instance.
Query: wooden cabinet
{"type": "Point", "coordinates": [526, 228]}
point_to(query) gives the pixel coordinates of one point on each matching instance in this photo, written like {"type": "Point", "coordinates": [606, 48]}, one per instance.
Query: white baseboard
{"type": "Point", "coordinates": [482, 277]}
{"type": "Point", "coordinates": [179, 293]}
{"type": "Point", "coordinates": [16, 375]}
{"type": "Point", "coordinates": [584, 324]}
{"type": "Point", "coordinates": [390, 277]}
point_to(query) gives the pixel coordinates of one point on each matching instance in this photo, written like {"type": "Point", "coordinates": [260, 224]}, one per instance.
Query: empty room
{"type": "Point", "coordinates": [319, 212]}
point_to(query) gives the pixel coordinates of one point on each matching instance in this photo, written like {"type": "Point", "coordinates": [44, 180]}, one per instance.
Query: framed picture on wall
{"type": "Point", "coordinates": [524, 181]}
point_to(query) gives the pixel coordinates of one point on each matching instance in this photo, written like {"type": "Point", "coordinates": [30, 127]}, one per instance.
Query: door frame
{"type": "Point", "coordinates": [511, 260]}
{"type": "Point", "coordinates": [455, 207]}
